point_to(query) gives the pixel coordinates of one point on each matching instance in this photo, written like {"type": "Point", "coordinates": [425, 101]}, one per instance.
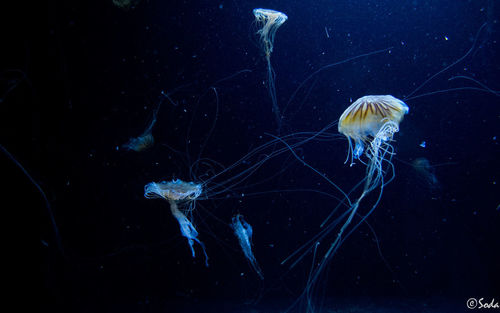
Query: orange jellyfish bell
{"type": "Point", "coordinates": [366, 118]}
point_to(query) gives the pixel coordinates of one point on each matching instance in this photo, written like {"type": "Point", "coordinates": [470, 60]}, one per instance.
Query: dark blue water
{"type": "Point", "coordinates": [430, 244]}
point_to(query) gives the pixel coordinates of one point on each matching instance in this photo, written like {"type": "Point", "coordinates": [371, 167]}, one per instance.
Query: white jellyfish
{"type": "Point", "coordinates": [268, 22]}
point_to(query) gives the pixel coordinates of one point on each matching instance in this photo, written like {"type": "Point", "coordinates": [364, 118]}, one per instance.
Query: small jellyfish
{"type": "Point", "coordinates": [174, 192]}
{"type": "Point", "coordinates": [243, 232]}
{"type": "Point", "coordinates": [144, 141]}
{"type": "Point", "coordinates": [426, 172]}
{"type": "Point", "coordinates": [126, 4]}
{"type": "Point", "coordinates": [140, 143]}
{"type": "Point", "coordinates": [268, 22]}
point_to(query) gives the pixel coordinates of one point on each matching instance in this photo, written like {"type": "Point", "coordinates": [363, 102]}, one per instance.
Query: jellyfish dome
{"type": "Point", "coordinates": [374, 116]}
{"type": "Point", "coordinates": [269, 22]}
{"type": "Point", "coordinates": [173, 190]}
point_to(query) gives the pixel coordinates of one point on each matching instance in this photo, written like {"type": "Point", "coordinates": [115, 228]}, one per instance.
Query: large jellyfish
{"type": "Point", "coordinates": [369, 125]}
{"type": "Point", "coordinates": [371, 122]}
{"type": "Point", "coordinates": [175, 192]}
{"type": "Point", "coordinates": [268, 22]}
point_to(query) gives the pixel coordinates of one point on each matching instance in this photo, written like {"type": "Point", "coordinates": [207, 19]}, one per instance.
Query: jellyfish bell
{"type": "Point", "coordinates": [371, 117]}
{"type": "Point", "coordinates": [175, 190]}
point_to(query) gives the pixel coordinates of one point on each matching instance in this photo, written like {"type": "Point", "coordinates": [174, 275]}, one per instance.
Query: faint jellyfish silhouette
{"type": "Point", "coordinates": [126, 4]}
{"type": "Point", "coordinates": [146, 140]}
{"type": "Point", "coordinates": [243, 232]}
{"type": "Point", "coordinates": [426, 172]}
{"type": "Point", "coordinates": [141, 143]}
{"type": "Point", "coordinates": [268, 22]}
{"type": "Point", "coordinates": [178, 192]}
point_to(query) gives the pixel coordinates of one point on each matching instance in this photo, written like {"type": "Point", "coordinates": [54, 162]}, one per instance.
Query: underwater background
{"type": "Point", "coordinates": [432, 242]}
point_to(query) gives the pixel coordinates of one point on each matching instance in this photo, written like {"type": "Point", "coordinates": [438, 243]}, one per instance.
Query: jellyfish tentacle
{"type": "Point", "coordinates": [55, 228]}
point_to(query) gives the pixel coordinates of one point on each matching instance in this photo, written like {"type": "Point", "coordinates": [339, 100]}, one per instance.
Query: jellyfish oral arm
{"type": "Point", "coordinates": [187, 229]}
{"type": "Point", "coordinates": [359, 147]}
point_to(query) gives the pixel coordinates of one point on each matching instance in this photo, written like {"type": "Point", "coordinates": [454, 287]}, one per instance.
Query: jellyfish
{"type": "Point", "coordinates": [243, 232]}
{"type": "Point", "coordinates": [126, 4]}
{"type": "Point", "coordinates": [175, 192]}
{"type": "Point", "coordinates": [141, 143]}
{"type": "Point", "coordinates": [268, 22]}
{"type": "Point", "coordinates": [369, 125]}
{"type": "Point", "coordinates": [371, 122]}
{"type": "Point", "coordinates": [146, 139]}
{"type": "Point", "coordinates": [426, 172]}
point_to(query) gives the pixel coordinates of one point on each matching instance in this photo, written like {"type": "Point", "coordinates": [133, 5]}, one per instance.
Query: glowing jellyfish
{"type": "Point", "coordinates": [268, 22]}
{"type": "Point", "coordinates": [243, 232]}
{"type": "Point", "coordinates": [371, 122]}
{"type": "Point", "coordinates": [146, 140]}
{"type": "Point", "coordinates": [176, 191]}
{"type": "Point", "coordinates": [369, 125]}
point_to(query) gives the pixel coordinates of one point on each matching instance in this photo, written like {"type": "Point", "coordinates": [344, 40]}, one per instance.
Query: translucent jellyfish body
{"type": "Point", "coordinates": [363, 120]}
{"type": "Point", "coordinates": [371, 123]}
{"type": "Point", "coordinates": [172, 190]}
{"type": "Point", "coordinates": [268, 22]}
{"type": "Point", "coordinates": [175, 191]}
{"type": "Point", "coordinates": [243, 231]}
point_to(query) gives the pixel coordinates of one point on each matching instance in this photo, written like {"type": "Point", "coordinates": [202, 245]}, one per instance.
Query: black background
{"type": "Point", "coordinates": [69, 109]}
